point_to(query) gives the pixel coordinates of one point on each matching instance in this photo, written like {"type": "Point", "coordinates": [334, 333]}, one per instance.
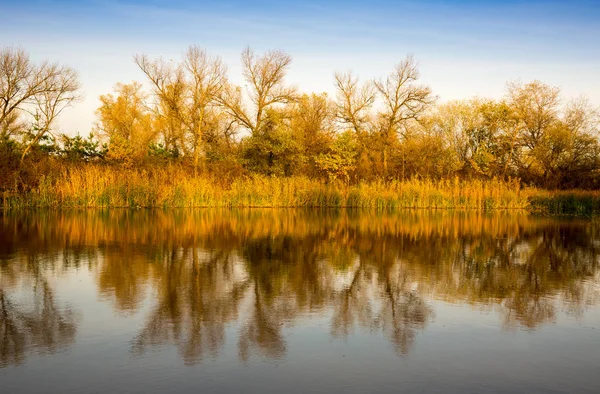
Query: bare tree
{"type": "Point", "coordinates": [403, 100]}
{"type": "Point", "coordinates": [60, 89]}
{"type": "Point", "coordinates": [43, 91]}
{"type": "Point", "coordinates": [581, 117]}
{"type": "Point", "coordinates": [265, 74]}
{"type": "Point", "coordinates": [15, 89]}
{"type": "Point", "coordinates": [187, 93]}
{"type": "Point", "coordinates": [354, 101]}
{"type": "Point", "coordinates": [402, 97]}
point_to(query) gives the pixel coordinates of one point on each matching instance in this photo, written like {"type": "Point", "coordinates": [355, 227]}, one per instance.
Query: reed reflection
{"type": "Point", "coordinates": [263, 271]}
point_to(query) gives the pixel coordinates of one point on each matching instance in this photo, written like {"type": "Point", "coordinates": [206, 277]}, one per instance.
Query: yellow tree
{"type": "Point", "coordinates": [536, 107]}
{"type": "Point", "coordinates": [312, 125]}
{"type": "Point", "coordinates": [569, 153]}
{"type": "Point", "coordinates": [559, 145]}
{"type": "Point", "coordinates": [480, 133]}
{"type": "Point", "coordinates": [125, 121]}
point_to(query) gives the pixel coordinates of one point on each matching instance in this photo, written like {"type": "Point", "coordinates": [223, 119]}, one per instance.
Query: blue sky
{"type": "Point", "coordinates": [464, 48]}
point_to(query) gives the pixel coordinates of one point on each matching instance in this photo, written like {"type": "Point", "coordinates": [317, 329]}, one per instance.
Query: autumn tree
{"type": "Point", "coordinates": [569, 154]}
{"type": "Point", "coordinates": [339, 162]}
{"type": "Point", "coordinates": [273, 150]}
{"type": "Point", "coordinates": [261, 110]}
{"type": "Point", "coordinates": [426, 155]}
{"type": "Point", "coordinates": [536, 107]}
{"type": "Point", "coordinates": [558, 145]}
{"type": "Point", "coordinates": [312, 119]}
{"type": "Point", "coordinates": [127, 124]}
{"type": "Point", "coordinates": [474, 130]}
{"type": "Point", "coordinates": [353, 112]}
{"type": "Point", "coordinates": [186, 95]}
{"type": "Point", "coordinates": [380, 110]}
{"type": "Point", "coordinates": [403, 100]}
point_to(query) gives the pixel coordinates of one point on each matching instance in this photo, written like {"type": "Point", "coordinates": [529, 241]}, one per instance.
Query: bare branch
{"type": "Point", "coordinates": [265, 74]}
{"type": "Point", "coordinates": [402, 97]}
{"type": "Point", "coordinates": [185, 94]}
{"type": "Point", "coordinates": [354, 101]}
{"type": "Point", "coordinates": [42, 91]}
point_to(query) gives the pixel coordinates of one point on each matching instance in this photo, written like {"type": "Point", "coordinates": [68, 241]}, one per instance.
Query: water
{"type": "Point", "coordinates": [274, 301]}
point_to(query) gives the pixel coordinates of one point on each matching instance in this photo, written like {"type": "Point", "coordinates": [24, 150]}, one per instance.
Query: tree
{"type": "Point", "coordinates": [186, 95]}
{"type": "Point", "coordinates": [125, 121]}
{"type": "Point", "coordinates": [427, 156]}
{"type": "Point", "coordinates": [265, 76]}
{"type": "Point", "coordinates": [558, 146]}
{"type": "Point", "coordinates": [536, 106]}
{"type": "Point", "coordinates": [354, 102]}
{"type": "Point", "coordinates": [474, 130]}
{"type": "Point", "coordinates": [403, 100]}
{"type": "Point", "coordinates": [340, 162]}
{"type": "Point", "coordinates": [33, 95]}
{"type": "Point", "coordinates": [81, 149]}
{"type": "Point", "coordinates": [581, 117]}
{"type": "Point", "coordinates": [312, 126]}
{"type": "Point", "coordinates": [272, 150]}
{"type": "Point", "coordinates": [569, 152]}
{"type": "Point", "coordinates": [353, 112]}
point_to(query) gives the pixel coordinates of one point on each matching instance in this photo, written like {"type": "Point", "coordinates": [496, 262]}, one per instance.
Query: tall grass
{"type": "Point", "coordinates": [172, 187]}
{"type": "Point", "coordinates": [108, 187]}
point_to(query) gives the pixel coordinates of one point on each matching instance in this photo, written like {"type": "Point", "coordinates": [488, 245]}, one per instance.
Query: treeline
{"type": "Point", "coordinates": [189, 114]}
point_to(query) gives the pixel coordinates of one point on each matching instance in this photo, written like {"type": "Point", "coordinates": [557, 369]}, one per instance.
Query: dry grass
{"type": "Point", "coordinates": [97, 186]}
{"type": "Point", "coordinates": [110, 187]}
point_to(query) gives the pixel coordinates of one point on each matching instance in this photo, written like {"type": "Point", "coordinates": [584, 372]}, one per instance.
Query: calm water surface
{"type": "Point", "coordinates": [291, 301]}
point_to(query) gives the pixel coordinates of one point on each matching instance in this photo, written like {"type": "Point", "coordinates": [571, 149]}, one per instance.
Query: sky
{"type": "Point", "coordinates": [463, 48]}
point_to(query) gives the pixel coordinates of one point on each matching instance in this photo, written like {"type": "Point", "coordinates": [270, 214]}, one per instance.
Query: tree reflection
{"type": "Point", "coordinates": [33, 321]}
{"type": "Point", "coordinates": [384, 299]}
{"type": "Point", "coordinates": [260, 272]}
{"type": "Point", "coordinates": [197, 295]}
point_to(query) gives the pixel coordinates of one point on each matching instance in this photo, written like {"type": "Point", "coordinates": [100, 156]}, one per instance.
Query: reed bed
{"type": "Point", "coordinates": [96, 186]}
{"type": "Point", "coordinates": [570, 202]}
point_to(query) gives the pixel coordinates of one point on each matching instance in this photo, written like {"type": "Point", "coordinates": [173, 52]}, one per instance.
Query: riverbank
{"type": "Point", "coordinates": [97, 186]}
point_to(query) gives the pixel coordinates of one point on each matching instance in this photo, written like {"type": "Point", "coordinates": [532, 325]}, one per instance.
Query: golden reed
{"type": "Point", "coordinates": [97, 186]}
